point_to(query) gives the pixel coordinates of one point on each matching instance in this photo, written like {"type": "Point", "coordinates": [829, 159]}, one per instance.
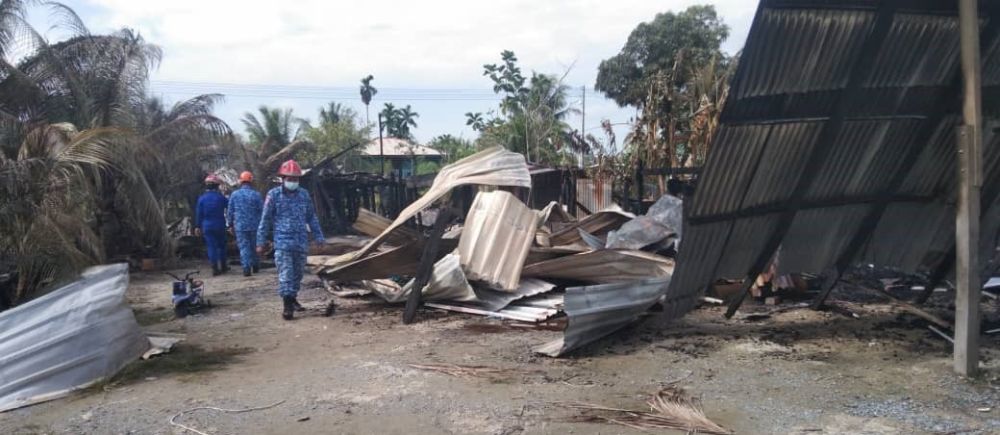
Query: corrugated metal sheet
{"type": "Point", "coordinates": [840, 126]}
{"type": "Point", "coordinates": [604, 266]}
{"type": "Point", "coordinates": [598, 310]}
{"type": "Point", "coordinates": [593, 195]}
{"type": "Point", "coordinates": [495, 239]}
{"type": "Point", "coordinates": [597, 224]}
{"type": "Point", "coordinates": [68, 339]}
{"type": "Point", "coordinates": [492, 167]}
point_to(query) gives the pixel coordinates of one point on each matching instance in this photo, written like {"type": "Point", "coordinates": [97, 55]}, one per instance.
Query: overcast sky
{"type": "Point", "coordinates": [429, 54]}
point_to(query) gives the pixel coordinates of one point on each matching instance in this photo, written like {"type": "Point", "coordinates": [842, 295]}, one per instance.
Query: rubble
{"type": "Point", "coordinates": [596, 311]}
{"type": "Point", "coordinates": [661, 223]}
{"type": "Point", "coordinates": [604, 266]}
{"type": "Point", "coordinates": [503, 259]}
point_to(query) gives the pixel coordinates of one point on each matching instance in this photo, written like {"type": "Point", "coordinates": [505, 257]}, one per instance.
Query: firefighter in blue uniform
{"type": "Point", "coordinates": [210, 223]}
{"type": "Point", "coordinates": [289, 209]}
{"type": "Point", "coordinates": [243, 215]}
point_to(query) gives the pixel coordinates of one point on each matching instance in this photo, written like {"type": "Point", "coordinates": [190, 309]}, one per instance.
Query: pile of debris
{"type": "Point", "coordinates": [508, 261]}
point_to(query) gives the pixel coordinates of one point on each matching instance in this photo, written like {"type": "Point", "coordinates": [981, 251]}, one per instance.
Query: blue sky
{"type": "Point", "coordinates": [429, 54]}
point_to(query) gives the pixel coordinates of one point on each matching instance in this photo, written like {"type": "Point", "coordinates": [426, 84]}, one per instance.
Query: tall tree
{"type": "Point", "coordinates": [531, 115]}
{"type": "Point", "coordinates": [367, 92]}
{"type": "Point", "coordinates": [672, 42]}
{"type": "Point", "coordinates": [673, 70]}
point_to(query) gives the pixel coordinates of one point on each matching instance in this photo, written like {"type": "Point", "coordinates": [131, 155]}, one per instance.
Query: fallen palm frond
{"type": "Point", "coordinates": [670, 408]}
{"type": "Point", "coordinates": [468, 371]}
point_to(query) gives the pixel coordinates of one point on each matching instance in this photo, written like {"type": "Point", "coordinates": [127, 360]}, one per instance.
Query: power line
{"type": "Point", "coordinates": [325, 92]}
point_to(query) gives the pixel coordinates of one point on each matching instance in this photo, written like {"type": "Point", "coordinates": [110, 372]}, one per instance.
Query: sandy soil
{"type": "Point", "coordinates": [799, 371]}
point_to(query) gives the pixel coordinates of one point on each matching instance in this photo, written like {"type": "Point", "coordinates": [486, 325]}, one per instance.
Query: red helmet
{"type": "Point", "coordinates": [290, 169]}
{"type": "Point", "coordinates": [212, 179]}
{"type": "Point", "coordinates": [246, 177]}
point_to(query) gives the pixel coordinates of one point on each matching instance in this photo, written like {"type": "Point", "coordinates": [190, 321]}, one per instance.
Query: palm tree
{"type": "Point", "coordinates": [274, 124]}
{"type": "Point", "coordinates": [83, 148]}
{"type": "Point", "coordinates": [388, 116]}
{"type": "Point", "coordinates": [398, 121]}
{"type": "Point", "coordinates": [367, 92]}
{"type": "Point", "coordinates": [45, 190]}
{"type": "Point", "coordinates": [406, 118]}
{"type": "Point", "coordinates": [178, 136]}
{"type": "Point", "coordinates": [334, 113]}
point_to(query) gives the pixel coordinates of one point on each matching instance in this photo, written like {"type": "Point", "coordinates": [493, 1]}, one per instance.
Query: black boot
{"type": "Point", "coordinates": [215, 269]}
{"type": "Point", "coordinates": [289, 307]}
{"type": "Point", "coordinates": [255, 268]}
{"type": "Point", "coordinates": [297, 305]}
{"type": "Point", "coordinates": [246, 271]}
{"type": "Point", "coordinates": [224, 265]}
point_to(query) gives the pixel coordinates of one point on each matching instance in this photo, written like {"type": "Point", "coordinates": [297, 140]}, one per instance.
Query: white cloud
{"type": "Point", "coordinates": [435, 44]}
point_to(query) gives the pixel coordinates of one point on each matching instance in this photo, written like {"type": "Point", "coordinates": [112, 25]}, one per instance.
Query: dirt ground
{"type": "Point", "coordinates": [797, 371]}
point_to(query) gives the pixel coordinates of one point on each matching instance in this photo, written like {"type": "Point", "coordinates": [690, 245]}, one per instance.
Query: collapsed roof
{"type": "Point", "coordinates": [838, 144]}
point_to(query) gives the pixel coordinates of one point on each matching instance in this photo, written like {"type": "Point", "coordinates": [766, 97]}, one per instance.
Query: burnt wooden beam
{"type": "Point", "coordinates": [426, 268]}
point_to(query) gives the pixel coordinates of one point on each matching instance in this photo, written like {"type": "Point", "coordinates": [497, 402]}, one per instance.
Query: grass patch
{"type": "Point", "coordinates": [154, 317]}
{"type": "Point", "coordinates": [185, 360]}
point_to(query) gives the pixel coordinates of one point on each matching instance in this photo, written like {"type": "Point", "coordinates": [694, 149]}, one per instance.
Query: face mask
{"type": "Point", "coordinates": [291, 185]}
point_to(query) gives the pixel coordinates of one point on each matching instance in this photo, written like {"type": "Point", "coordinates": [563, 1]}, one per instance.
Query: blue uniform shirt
{"type": "Point", "coordinates": [210, 213]}
{"type": "Point", "coordinates": [245, 207]}
{"type": "Point", "coordinates": [289, 213]}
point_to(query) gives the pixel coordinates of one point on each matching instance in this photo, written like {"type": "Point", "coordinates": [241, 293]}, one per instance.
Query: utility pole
{"type": "Point", "coordinates": [970, 148]}
{"type": "Point", "coordinates": [381, 150]}
{"type": "Point", "coordinates": [583, 119]}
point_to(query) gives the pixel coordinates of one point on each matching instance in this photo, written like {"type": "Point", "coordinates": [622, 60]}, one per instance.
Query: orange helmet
{"type": "Point", "coordinates": [246, 177]}
{"type": "Point", "coordinates": [290, 169]}
{"type": "Point", "coordinates": [212, 179]}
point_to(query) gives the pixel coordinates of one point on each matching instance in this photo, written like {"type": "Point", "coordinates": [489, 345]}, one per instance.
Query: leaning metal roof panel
{"type": "Point", "coordinates": [837, 143]}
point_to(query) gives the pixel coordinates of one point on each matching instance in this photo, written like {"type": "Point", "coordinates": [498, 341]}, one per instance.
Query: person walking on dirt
{"type": "Point", "coordinates": [210, 222]}
{"type": "Point", "coordinates": [289, 210]}
{"type": "Point", "coordinates": [243, 215]}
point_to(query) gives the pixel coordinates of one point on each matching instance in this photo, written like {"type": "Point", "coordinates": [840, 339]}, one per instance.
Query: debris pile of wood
{"type": "Point", "coordinates": [505, 260]}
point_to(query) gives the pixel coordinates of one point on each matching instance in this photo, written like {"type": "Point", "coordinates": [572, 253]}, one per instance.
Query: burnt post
{"type": "Point", "coordinates": [431, 247]}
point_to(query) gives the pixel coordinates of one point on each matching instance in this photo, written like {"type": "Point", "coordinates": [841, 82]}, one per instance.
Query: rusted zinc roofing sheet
{"type": "Point", "coordinates": [598, 310]}
{"type": "Point", "coordinates": [837, 143]}
{"type": "Point", "coordinates": [593, 194]}
{"type": "Point", "coordinates": [495, 240]}
{"type": "Point", "coordinates": [604, 266]}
